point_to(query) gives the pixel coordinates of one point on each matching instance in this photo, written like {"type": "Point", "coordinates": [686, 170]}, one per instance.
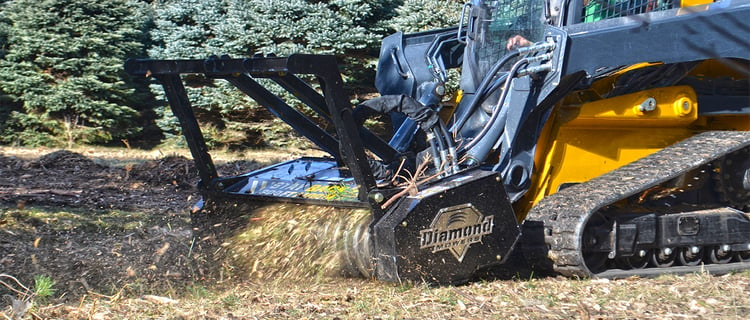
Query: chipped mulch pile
{"type": "Point", "coordinates": [67, 179]}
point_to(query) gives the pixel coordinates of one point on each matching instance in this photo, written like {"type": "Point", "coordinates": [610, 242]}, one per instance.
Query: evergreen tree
{"type": "Point", "coordinates": [197, 29]}
{"type": "Point", "coordinates": [423, 15]}
{"type": "Point", "coordinates": [6, 104]}
{"type": "Point", "coordinates": [350, 29]}
{"type": "Point", "coordinates": [61, 74]}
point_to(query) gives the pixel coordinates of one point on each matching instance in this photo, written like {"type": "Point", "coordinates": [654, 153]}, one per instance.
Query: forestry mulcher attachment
{"type": "Point", "coordinates": [599, 138]}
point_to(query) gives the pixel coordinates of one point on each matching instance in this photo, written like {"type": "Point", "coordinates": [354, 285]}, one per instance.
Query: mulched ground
{"type": "Point", "coordinates": [104, 229]}
{"type": "Point", "coordinates": [119, 243]}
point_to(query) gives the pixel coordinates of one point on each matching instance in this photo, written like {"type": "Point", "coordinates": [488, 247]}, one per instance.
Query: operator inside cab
{"type": "Point", "coordinates": [497, 27]}
{"type": "Point", "coordinates": [494, 29]}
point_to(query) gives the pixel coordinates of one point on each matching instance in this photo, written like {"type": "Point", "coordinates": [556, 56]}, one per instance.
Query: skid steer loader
{"type": "Point", "coordinates": [614, 142]}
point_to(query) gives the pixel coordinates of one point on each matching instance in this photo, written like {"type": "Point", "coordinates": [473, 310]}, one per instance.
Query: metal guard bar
{"type": "Point", "coordinates": [332, 105]}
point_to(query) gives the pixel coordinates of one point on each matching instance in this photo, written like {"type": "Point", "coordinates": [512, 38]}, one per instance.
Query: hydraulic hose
{"type": "Point", "coordinates": [443, 149]}
{"type": "Point", "coordinates": [480, 90]}
{"type": "Point", "coordinates": [493, 121]}
{"type": "Point", "coordinates": [442, 144]}
{"type": "Point", "coordinates": [434, 149]}
{"type": "Point", "coordinates": [422, 115]}
{"type": "Point", "coordinates": [451, 146]}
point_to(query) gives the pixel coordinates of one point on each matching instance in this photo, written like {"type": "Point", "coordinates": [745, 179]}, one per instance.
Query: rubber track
{"type": "Point", "coordinates": [565, 213]}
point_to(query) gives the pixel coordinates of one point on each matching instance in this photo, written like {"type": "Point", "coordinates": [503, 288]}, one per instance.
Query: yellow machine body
{"type": "Point", "coordinates": [589, 135]}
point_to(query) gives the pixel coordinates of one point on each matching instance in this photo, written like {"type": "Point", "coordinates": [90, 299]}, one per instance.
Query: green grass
{"type": "Point", "coordinates": [230, 300]}
{"type": "Point", "coordinates": [44, 288]}
{"type": "Point", "coordinates": [199, 291]}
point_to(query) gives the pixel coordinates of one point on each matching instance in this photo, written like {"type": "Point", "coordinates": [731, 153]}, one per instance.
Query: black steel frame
{"type": "Point", "coordinates": [347, 145]}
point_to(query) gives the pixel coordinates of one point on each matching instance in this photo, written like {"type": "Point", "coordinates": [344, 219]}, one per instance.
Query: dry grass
{"type": "Point", "coordinates": [699, 296]}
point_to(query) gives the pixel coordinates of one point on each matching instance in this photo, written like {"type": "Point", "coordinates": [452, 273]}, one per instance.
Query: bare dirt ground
{"type": "Point", "coordinates": [97, 227]}
{"type": "Point", "coordinates": [116, 238]}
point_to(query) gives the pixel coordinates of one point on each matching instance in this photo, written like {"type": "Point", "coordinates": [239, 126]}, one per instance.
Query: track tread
{"type": "Point", "coordinates": [565, 213]}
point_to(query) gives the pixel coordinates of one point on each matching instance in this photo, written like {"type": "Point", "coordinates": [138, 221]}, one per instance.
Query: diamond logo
{"type": "Point", "coordinates": [456, 228]}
